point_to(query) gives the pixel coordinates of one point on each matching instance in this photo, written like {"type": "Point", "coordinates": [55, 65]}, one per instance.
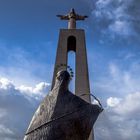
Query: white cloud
{"type": "Point", "coordinates": [120, 92]}
{"type": "Point", "coordinates": [130, 106]}
{"type": "Point", "coordinates": [119, 80]}
{"type": "Point", "coordinates": [36, 92]}
{"type": "Point", "coordinates": [120, 122]}
{"type": "Point", "coordinates": [121, 27]}
{"type": "Point", "coordinates": [21, 67]}
{"type": "Point", "coordinates": [113, 101]}
{"type": "Point", "coordinates": [41, 87]}
{"type": "Point", "coordinates": [5, 131]}
{"type": "Point", "coordinates": [5, 84]}
{"type": "Point", "coordinates": [118, 16]}
{"type": "Point", "coordinates": [17, 105]}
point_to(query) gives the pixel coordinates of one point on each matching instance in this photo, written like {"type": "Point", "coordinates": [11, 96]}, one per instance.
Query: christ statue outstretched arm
{"type": "Point", "coordinates": [72, 17]}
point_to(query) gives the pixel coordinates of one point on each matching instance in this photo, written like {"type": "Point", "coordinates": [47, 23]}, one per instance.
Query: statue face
{"type": "Point", "coordinates": [63, 75]}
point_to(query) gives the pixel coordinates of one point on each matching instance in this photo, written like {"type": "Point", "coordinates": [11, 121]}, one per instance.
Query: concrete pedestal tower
{"type": "Point", "coordinates": [73, 39]}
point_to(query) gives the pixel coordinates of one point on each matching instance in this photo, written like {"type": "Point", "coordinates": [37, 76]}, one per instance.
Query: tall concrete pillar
{"type": "Point", "coordinates": [74, 40]}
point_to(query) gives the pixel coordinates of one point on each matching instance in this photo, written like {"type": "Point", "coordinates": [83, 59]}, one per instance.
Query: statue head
{"type": "Point", "coordinates": [72, 10]}
{"type": "Point", "coordinates": [62, 79]}
{"type": "Point", "coordinates": [63, 75]}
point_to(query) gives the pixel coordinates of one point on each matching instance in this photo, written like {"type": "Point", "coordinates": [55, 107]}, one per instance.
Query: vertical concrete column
{"type": "Point", "coordinates": [61, 55]}
{"type": "Point", "coordinates": [81, 76]}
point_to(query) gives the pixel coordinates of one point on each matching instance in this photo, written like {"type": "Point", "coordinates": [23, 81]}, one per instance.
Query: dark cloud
{"type": "Point", "coordinates": [119, 17]}
{"type": "Point", "coordinates": [134, 12]}
{"type": "Point", "coordinates": [120, 122]}
{"type": "Point", "coordinates": [120, 94]}
{"type": "Point", "coordinates": [17, 105]}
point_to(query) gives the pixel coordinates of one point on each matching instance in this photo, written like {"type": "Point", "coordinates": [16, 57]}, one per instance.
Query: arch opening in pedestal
{"type": "Point", "coordinates": [71, 60]}
{"type": "Point", "coordinates": [71, 43]}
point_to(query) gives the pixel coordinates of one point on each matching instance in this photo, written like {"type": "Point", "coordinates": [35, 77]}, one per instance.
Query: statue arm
{"type": "Point", "coordinates": [63, 17]}
{"type": "Point", "coordinates": [78, 17]}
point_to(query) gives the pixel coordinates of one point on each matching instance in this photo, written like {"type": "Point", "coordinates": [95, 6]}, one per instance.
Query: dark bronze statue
{"type": "Point", "coordinates": [62, 115]}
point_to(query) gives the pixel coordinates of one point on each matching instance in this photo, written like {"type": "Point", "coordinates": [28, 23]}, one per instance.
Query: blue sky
{"type": "Point", "coordinates": [29, 32]}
